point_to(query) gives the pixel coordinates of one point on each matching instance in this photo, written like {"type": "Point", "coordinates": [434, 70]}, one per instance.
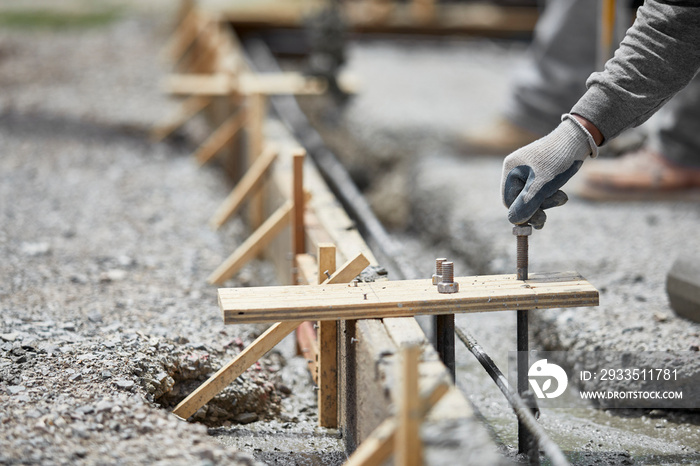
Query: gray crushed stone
{"type": "Point", "coordinates": [106, 319]}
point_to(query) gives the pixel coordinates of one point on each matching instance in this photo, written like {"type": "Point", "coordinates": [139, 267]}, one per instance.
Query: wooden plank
{"type": "Point", "coordinates": [250, 181]}
{"type": "Point", "coordinates": [233, 369]}
{"type": "Point", "coordinates": [306, 269]}
{"type": "Point", "coordinates": [255, 130]}
{"type": "Point", "coordinates": [423, 11]}
{"type": "Point", "coordinates": [405, 298]}
{"type": "Point", "coordinates": [408, 444]}
{"type": "Point", "coordinates": [222, 84]}
{"type": "Point", "coordinates": [184, 35]}
{"type": "Point", "coordinates": [328, 349]}
{"type": "Point", "coordinates": [347, 273]}
{"type": "Point", "coordinates": [298, 237]}
{"type": "Point", "coordinates": [308, 347]}
{"type": "Point", "coordinates": [189, 108]}
{"type": "Point", "coordinates": [210, 47]}
{"type": "Point", "coordinates": [449, 18]}
{"type": "Point", "coordinates": [252, 246]}
{"type": "Point", "coordinates": [378, 447]}
{"type": "Point", "coordinates": [218, 139]}
{"type": "Point", "coordinates": [211, 85]}
{"type": "Point", "coordinates": [280, 83]}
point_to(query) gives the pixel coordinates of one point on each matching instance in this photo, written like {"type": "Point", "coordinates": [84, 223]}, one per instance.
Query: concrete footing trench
{"type": "Point", "coordinates": [107, 320]}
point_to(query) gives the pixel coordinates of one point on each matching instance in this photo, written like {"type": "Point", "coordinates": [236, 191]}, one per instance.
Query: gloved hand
{"type": "Point", "coordinates": [532, 175]}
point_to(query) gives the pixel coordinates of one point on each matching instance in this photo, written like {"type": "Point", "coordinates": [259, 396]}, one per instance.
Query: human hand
{"type": "Point", "coordinates": [532, 175]}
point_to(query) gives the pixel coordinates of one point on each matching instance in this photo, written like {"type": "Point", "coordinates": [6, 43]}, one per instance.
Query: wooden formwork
{"type": "Point", "coordinates": [384, 16]}
{"type": "Point", "coordinates": [297, 224]}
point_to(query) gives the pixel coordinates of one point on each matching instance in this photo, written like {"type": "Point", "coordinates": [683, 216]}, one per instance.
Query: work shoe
{"type": "Point", "coordinates": [641, 175]}
{"type": "Point", "coordinates": [499, 138]}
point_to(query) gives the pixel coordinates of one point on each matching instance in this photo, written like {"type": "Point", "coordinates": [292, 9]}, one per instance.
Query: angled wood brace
{"type": "Point", "coordinates": [257, 349]}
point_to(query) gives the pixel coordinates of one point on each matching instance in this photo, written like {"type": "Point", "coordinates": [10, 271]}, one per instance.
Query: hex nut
{"type": "Point", "coordinates": [436, 279]}
{"type": "Point", "coordinates": [448, 287]}
{"type": "Point", "coordinates": [522, 230]}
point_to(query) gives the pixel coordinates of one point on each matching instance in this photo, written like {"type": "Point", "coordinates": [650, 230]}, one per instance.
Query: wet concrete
{"type": "Point", "coordinates": [416, 97]}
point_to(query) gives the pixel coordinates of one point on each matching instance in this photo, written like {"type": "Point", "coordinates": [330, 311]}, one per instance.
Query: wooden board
{"type": "Point", "coordinates": [408, 445]}
{"type": "Point", "coordinates": [328, 349]}
{"type": "Point", "coordinates": [252, 246]}
{"type": "Point", "coordinates": [250, 181]}
{"type": "Point", "coordinates": [404, 298]}
{"type": "Point", "coordinates": [449, 18]}
{"type": "Point", "coordinates": [233, 369]}
{"type": "Point", "coordinates": [222, 84]}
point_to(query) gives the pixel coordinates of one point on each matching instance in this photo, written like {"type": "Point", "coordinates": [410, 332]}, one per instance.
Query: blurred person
{"type": "Point", "coordinates": [552, 79]}
{"type": "Point", "coordinates": [656, 60]}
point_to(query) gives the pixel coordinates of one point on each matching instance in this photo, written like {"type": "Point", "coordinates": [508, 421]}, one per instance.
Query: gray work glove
{"type": "Point", "coordinates": [532, 175]}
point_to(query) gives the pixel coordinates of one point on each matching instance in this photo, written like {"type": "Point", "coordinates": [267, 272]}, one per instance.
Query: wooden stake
{"type": "Point", "coordinates": [409, 447]}
{"type": "Point", "coordinates": [328, 349]}
{"type": "Point", "coordinates": [308, 345]}
{"type": "Point", "coordinates": [233, 369]}
{"type": "Point", "coordinates": [298, 237]}
{"type": "Point", "coordinates": [255, 126]}
{"type": "Point", "coordinates": [223, 134]}
{"type": "Point", "coordinates": [250, 181]}
{"type": "Point", "coordinates": [306, 269]}
{"type": "Point", "coordinates": [378, 447]}
{"type": "Point", "coordinates": [254, 351]}
{"type": "Point", "coordinates": [189, 108]}
{"type": "Point", "coordinates": [405, 298]}
{"type": "Point", "coordinates": [252, 246]}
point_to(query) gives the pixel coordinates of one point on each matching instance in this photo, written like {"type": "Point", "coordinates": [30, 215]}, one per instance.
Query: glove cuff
{"type": "Point", "coordinates": [591, 142]}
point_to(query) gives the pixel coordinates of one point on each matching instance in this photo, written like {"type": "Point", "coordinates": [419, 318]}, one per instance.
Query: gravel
{"type": "Point", "coordinates": [106, 319]}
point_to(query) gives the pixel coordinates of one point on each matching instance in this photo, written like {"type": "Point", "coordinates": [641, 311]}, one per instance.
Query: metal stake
{"type": "Point", "coordinates": [526, 443]}
{"type": "Point", "coordinates": [445, 344]}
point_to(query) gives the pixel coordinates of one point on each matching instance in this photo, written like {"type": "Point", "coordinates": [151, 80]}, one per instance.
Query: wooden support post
{"type": "Point", "coordinates": [298, 236]}
{"type": "Point", "coordinates": [423, 11]}
{"type": "Point", "coordinates": [223, 134]}
{"type": "Point", "coordinates": [253, 245]}
{"type": "Point", "coordinates": [189, 108]}
{"type": "Point", "coordinates": [405, 298]}
{"type": "Point", "coordinates": [328, 349]}
{"type": "Point", "coordinates": [255, 350]}
{"type": "Point", "coordinates": [308, 347]}
{"type": "Point", "coordinates": [378, 447]}
{"type": "Point", "coordinates": [250, 181]}
{"type": "Point", "coordinates": [409, 447]}
{"type": "Point", "coordinates": [255, 126]}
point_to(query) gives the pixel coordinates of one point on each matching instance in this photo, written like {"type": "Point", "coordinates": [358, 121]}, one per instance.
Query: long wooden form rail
{"type": "Point", "coordinates": [404, 298]}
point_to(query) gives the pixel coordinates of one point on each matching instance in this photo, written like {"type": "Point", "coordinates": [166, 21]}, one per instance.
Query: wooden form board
{"type": "Point", "coordinates": [404, 298]}
{"type": "Point", "coordinates": [387, 16]}
{"type": "Point", "coordinates": [223, 84]}
{"type": "Point", "coordinates": [379, 446]}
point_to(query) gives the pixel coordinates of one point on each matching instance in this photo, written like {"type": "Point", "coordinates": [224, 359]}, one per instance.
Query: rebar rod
{"type": "Point", "coordinates": [521, 409]}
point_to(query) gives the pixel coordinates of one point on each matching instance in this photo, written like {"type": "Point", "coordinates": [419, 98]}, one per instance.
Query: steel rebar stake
{"type": "Point", "coordinates": [526, 443]}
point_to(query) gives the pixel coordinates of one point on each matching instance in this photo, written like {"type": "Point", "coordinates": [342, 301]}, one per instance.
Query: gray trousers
{"type": "Point", "coordinates": [553, 76]}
